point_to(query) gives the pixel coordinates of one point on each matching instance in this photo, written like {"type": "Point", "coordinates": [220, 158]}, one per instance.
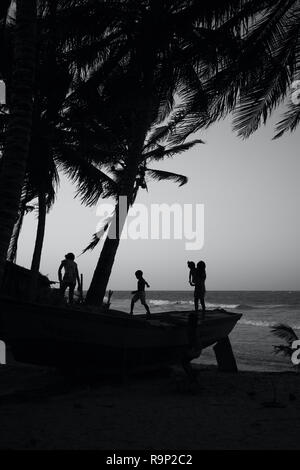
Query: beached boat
{"type": "Point", "coordinates": [69, 337]}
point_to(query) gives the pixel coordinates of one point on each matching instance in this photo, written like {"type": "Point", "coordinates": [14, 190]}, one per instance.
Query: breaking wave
{"type": "Point", "coordinates": [263, 323]}
{"type": "Point", "coordinates": [159, 302]}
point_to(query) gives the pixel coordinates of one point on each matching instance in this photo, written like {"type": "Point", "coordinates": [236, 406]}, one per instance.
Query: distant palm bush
{"type": "Point", "coordinates": [288, 334]}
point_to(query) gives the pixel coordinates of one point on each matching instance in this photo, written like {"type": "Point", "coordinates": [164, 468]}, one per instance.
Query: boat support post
{"type": "Point", "coordinates": [225, 357]}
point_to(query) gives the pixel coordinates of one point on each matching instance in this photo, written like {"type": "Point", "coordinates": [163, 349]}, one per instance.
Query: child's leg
{"type": "Point", "coordinates": [132, 305]}
{"type": "Point", "coordinates": [142, 297]}
{"type": "Point", "coordinates": [202, 301]}
{"type": "Point", "coordinates": [196, 303]}
{"type": "Point", "coordinates": [63, 287]}
{"type": "Point", "coordinates": [146, 306]}
{"type": "Point", "coordinates": [71, 292]}
{"type": "Point", "coordinates": [133, 301]}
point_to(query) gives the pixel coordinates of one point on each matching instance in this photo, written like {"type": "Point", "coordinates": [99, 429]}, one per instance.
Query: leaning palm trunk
{"type": "Point", "coordinates": [96, 292]}
{"type": "Point", "coordinates": [37, 253]}
{"type": "Point", "coordinates": [13, 246]}
{"type": "Point", "coordinates": [20, 122]}
{"type": "Point", "coordinates": [97, 289]}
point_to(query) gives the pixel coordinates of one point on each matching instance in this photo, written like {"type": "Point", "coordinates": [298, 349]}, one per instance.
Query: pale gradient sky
{"type": "Point", "coordinates": [251, 194]}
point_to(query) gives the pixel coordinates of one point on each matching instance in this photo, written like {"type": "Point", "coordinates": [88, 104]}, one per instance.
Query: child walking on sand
{"type": "Point", "coordinates": [140, 294]}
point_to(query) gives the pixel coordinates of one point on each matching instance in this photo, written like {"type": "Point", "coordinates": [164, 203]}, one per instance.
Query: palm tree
{"type": "Point", "coordinates": [259, 74]}
{"type": "Point", "coordinates": [144, 72]}
{"type": "Point", "coordinates": [14, 160]}
{"type": "Point", "coordinates": [92, 148]}
{"type": "Point", "coordinates": [22, 90]}
{"type": "Point", "coordinates": [40, 175]}
{"type": "Point", "coordinates": [118, 54]}
{"type": "Point", "coordinates": [153, 151]}
{"type": "Point", "coordinates": [49, 95]}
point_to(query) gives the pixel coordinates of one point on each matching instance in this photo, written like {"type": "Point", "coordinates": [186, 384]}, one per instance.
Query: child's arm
{"type": "Point", "coordinates": [146, 283]}
{"type": "Point", "coordinates": [78, 279]}
{"type": "Point", "coordinates": [59, 272]}
{"type": "Point", "coordinates": [191, 278]}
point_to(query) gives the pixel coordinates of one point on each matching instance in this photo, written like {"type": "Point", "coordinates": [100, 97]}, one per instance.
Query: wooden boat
{"type": "Point", "coordinates": [68, 337]}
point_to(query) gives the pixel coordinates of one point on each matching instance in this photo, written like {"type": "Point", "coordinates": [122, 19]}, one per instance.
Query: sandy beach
{"type": "Point", "coordinates": [41, 409]}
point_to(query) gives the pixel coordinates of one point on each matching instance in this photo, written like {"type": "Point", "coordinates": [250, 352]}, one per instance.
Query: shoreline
{"type": "Point", "coordinates": [244, 410]}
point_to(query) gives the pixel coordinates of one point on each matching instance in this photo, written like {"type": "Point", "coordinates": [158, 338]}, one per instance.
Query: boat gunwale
{"type": "Point", "coordinates": [118, 316]}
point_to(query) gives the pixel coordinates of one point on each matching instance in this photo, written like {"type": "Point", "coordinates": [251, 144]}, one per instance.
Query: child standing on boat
{"type": "Point", "coordinates": [199, 283]}
{"type": "Point", "coordinates": [140, 294]}
{"type": "Point", "coordinates": [71, 275]}
{"type": "Point", "coordinates": [192, 273]}
{"type": "Point", "coordinates": [197, 277]}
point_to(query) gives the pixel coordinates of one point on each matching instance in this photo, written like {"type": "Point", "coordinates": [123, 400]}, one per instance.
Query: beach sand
{"type": "Point", "coordinates": [41, 409]}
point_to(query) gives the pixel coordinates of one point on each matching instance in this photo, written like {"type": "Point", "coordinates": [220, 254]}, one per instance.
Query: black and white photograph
{"type": "Point", "coordinates": [149, 228]}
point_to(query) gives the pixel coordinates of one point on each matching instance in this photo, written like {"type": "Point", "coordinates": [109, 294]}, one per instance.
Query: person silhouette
{"type": "Point", "coordinates": [140, 294]}
{"type": "Point", "coordinates": [197, 277]}
{"type": "Point", "coordinates": [192, 273]}
{"type": "Point", "coordinates": [71, 275]}
{"type": "Point", "coordinates": [199, 283]}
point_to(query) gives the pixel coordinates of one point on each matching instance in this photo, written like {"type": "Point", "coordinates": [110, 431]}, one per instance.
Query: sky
{"type": "Point", "coordinates": [250, 191]}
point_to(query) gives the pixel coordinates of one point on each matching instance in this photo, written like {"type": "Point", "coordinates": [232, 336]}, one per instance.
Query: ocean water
{"type": "Point", "coordinates": [252, 340]}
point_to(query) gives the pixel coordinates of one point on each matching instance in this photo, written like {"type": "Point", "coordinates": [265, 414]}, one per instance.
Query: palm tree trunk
{"type": "Point", "coordinates": [19, 129]}
{"type": "Point", "coordinates": [13, 246]}
{"type": "Point", "coordinates": [37, 253]}
{"type": "Point", "coordinates": [97, 289]}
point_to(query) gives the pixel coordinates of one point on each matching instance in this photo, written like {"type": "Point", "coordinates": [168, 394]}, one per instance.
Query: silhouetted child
{"type": "Point", "coordinates": [192, 273]}
{"type": "Point", "coordinates": [70, 277]}
{"type": "Point", "coordinates": [199, 283]}
{"type": "Point", "coordinates": [140, 294]}
{"type": "Point", "coordinates": [197, 278]}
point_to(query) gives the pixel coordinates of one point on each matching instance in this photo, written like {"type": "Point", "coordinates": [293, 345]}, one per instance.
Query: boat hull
{"type": "Point", "coordinates": [72, 337]}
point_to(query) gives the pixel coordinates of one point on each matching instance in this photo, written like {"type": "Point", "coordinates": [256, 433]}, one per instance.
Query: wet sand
{"type": "Point", "coordinates": [41, 409]}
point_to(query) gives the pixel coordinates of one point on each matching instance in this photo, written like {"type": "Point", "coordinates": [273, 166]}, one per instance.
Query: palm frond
{"type": "Point", "coordinates": [282, 349]}
{"type": "Point", "coordinates": [218, 12]}
{"type": "Point", "coordinates": [160, 175]}
{"type": "Point", "coordinates": [285, 332]}
{"type": "Point", "coordinates": [162, 152]}
{"type": "Point", "coordinates": [89, 88]}
{"type": "Point", "coordinates": [97, 236]}
{"type": "Point", "coordinates": [92, 183]}
{"type": "Point", "coordinates": [158, 134]}
{"type": "Point", "coordinates": [259, 98]}
{"type": "Point", "coordinates": [259, 73]}
{"type": "Point", "coordinates": [92, 244]}
{"type": "Point", "coordinates": [290, 121]}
